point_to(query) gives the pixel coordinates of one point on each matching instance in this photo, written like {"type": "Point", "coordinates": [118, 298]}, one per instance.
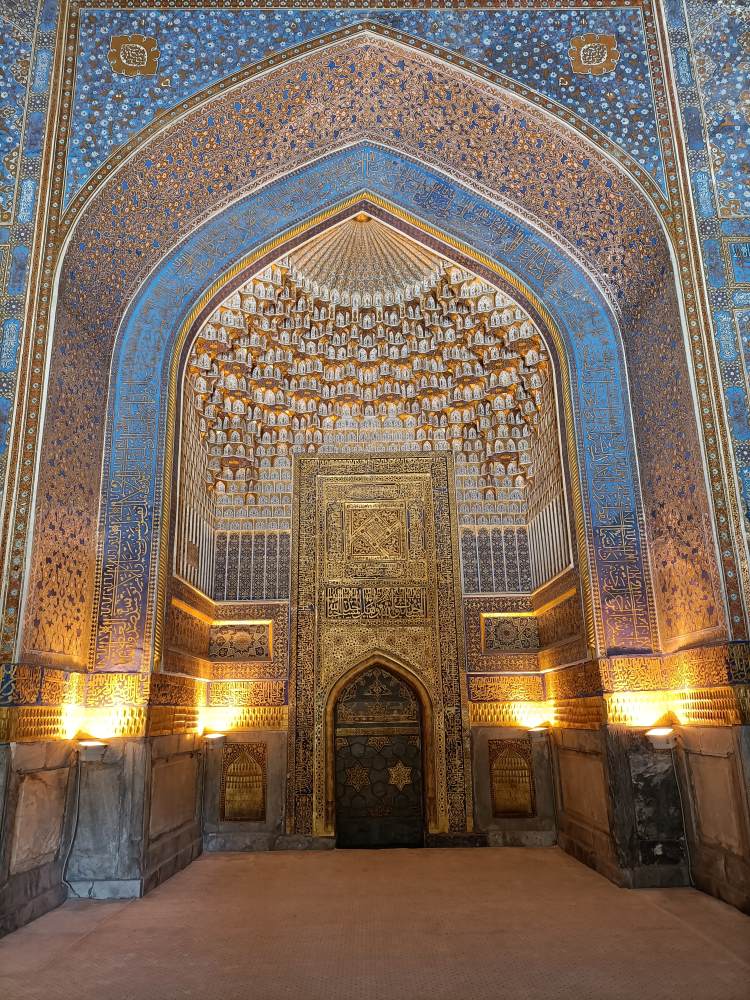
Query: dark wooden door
{"type": "Point", "coordinates": [379, 800]}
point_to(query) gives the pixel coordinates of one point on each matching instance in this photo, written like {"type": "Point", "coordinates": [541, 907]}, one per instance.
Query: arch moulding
{"type": "Point", "coordinates": [159, 258]}
{"type": "Point", "coordinates": [435, 823]}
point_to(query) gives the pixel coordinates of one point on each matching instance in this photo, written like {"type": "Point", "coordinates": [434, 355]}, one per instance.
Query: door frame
{"type": "Point", "coordinates": [427, 735]}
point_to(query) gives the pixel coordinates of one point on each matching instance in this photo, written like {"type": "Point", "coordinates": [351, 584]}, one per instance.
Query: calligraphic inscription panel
{"type": "Point", "coordinates": [375, 573]}
{"type": "Point", "coordinates": [353, 603]}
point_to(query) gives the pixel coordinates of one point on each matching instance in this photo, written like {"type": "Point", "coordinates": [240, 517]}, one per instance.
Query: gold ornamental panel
{"type": "Point", "coordinates": [375, 574]}
{"type": "Point", "coordinates": [243, 782]}
{"type": "Point", "coordinates": [511, 777]}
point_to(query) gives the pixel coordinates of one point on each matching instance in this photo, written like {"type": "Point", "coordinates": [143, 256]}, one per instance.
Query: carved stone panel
{"type": "Point", "coordinates": [376, 573]}
{"type": "Point", "coordinates": [246, 641]}
{"type": "Point", "coordinates": [511, 777]}
{"type": "Point", "coordinates": [243, 782]}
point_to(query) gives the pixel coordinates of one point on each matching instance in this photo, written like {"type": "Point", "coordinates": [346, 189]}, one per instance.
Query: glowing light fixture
{"type": "Point", "coordinates": [540, 725]}
{"type": "Point", "coordinates": [214, 736]}
{"type": "Point", "coordinates": [662, 737]}
{"type": "Point", "coordinates": [90, 749]}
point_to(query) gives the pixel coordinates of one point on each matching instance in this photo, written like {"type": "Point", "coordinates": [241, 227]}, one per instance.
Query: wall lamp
{"type": "Point", "coordinates": [662, 738]}
{"type": "Point", "coordinates": [90, 748]}
{"type": "Point", "coordinates": [543, 727]}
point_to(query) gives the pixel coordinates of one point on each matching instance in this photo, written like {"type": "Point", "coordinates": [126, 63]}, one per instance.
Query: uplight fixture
{"type": "Point", "coordinates": [662, 737]}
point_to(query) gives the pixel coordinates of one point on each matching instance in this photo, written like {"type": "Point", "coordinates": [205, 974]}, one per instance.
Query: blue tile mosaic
{"type": "Point", "coordinates": [9, 334]}
{"type": "Point", "coordinates": [24, 24]}
{"type": "Point", "coordinates": [16, 55]}
{"type": "Point", "coordinates": [739, 256]}
{"type": "Point", "coordinates": [715, 37]}
{"type": "Point", "coordinates": [721, 41]}
{"type": "Point", "coordinates": [198, 48]}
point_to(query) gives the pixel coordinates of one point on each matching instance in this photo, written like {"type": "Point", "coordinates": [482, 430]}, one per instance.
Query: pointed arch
{"type": "Point", "coordinates": [435, 823]}
{"type": "Point", "coordinates": [153, 224]}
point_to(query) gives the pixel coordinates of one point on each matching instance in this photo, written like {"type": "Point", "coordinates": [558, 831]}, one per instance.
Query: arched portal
{"type": "Point", "coordinates": [214, 198]}
{"type": "Point", "coordinates": [622, 615]}
{"type": "Point", "coordinates": [618, 242]}
{"type": "Point", "coordinates": [378, 762]}
{"type": "Point", "coordinates": [419, 705]}
{"type": "Point", "coordinates": [360, 338]}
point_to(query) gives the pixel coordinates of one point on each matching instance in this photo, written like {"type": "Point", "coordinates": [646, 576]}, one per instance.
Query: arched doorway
{"type": "Point", "coordinates": [378, 763]}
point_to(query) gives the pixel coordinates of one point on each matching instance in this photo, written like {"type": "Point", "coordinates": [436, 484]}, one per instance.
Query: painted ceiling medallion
{"type": "Point", "coordinates": [361, 258]}
{"type": "Point", "coordinates": [593, 55]}
{"type": "Point", "coordinates": [133, 55]}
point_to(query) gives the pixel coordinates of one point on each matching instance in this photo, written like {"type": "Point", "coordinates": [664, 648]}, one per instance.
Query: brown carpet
{"type": "Point", "coordinates": [408, 925]}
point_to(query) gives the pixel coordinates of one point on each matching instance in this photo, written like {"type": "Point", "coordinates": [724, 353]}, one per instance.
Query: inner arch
{"type": "Point", "coordinates": [362, 340]}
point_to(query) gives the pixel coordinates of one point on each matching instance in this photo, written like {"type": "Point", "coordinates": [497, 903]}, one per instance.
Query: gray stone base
{"type": "Point", "coordinates": [107, 889]}
{"type": "Point", "coordinates": [170, 855]}
{"type": "Point", "coordinates": [22, 902]}
{"type": "Point", "coordinates": [455, 840]}
{"type": "Point", "coordinates": [522, 838]}
{"type": "Point", "coordinates": [37, 802]}
{"type": "Point", "coordinates": [247, 840]}
{"type": "Point", "coordinates": [736, 891]}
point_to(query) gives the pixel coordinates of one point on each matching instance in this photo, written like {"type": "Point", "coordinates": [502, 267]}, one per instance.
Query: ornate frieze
{"type": "Point", "coordinates": [563, 653]}
{"type": "Point", "coordinates": [560, 621]}
{"type": "Point", "coordinates": [187, 628]}
{"type": "Point", "coordinates": [579, 713]}
{"type": "Point", "coordinates": [716, 706]}
{"type": "Point", "coordinates": [239, 694]}
{"type": "Point", "coordinates": [494, 687]}
{"type": "Point", "coordinates": [522, 715]}
{"type": "Point", "coordinates": [574, 681]}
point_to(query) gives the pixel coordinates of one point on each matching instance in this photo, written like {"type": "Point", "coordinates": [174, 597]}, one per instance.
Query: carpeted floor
{"type": "Point", "coordinates": [393, 925]}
